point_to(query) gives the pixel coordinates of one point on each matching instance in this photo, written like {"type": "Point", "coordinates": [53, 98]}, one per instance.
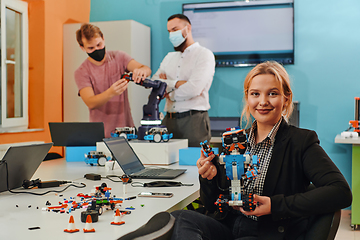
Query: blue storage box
{"type": "Point", "coordinates": [189, 156]}
{"type": "Point", "coordinates": [76, 154]}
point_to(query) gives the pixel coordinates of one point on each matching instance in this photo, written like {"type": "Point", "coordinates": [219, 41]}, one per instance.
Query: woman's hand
{"type": "Point", "coordinates": [206, 168]}
{"type": "Point", "coordinates": [263, 206]}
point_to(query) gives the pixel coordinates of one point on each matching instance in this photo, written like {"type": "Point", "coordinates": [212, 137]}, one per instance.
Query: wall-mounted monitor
{"type": "Point", "coordinates": [244, 33]}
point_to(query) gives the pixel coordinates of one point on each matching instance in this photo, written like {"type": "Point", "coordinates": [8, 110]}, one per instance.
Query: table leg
{"type": "Point", "coordinates": [355, 185]}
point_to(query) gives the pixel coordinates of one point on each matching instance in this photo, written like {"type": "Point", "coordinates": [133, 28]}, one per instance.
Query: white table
{"type": "Point", "coordinates": [355, 178]}
{"type": "Point", "coordinates": [15, 221]}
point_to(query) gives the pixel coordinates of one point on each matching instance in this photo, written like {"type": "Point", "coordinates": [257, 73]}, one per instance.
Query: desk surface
{"type": "Point", "coordinates": [15, 221]}
{"type": "Point", "coordinates": [340, 139]}
{"type": "Point", "coordinates": [215, 140]}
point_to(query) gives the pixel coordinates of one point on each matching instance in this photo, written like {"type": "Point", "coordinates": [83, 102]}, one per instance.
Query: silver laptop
{"type": "Point", "coordinates": [22, 162]}
{"type": "Point", "coordinates": [131, 164]}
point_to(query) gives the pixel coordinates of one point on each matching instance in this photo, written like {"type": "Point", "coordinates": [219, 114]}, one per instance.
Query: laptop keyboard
{"type": "Point", "coordinates": [153, 172]}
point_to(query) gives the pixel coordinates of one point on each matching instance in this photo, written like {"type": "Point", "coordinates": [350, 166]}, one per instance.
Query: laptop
{"type": "Point", "coordinates": [218, 125]}
{"type": "Point", "coordinates": [76, 133]}
{"type": "Point", "coordinates": [131, 164]}
{"type": "Point", "coordinates": [22, 162]}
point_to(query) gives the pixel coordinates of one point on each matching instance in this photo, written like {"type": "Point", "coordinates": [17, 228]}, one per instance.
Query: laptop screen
{"type": "Point", "coordinates": [124, 155]}
{"type": "Point", "coordinates": [219, 124]}
{"type": "Point", "coordinates": [22, 162]}
{"type": "Point", "coordinates": [76, 133]}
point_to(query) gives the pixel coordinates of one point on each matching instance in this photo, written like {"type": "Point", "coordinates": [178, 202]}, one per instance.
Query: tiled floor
{"type": "Point", "coordinates": [345, 231]}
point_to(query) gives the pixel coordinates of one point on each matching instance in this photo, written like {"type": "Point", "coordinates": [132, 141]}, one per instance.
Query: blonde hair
{"type": "Point", "coordinates": [280, 74]}
{"type": "Point", "coordinates": [88, 31]}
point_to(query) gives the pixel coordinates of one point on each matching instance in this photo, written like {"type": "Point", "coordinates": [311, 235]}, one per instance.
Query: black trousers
{"type": "Point", "coordinates": [191, 225]}
{"type": "Point", "coordinates": [195, 128]}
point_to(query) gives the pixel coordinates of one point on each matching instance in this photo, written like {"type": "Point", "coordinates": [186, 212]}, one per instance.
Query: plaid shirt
{"type": "Point", "coordinates": [264, 151]}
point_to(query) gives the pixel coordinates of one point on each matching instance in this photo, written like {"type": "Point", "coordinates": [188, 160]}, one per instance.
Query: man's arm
{"type": "Point", "coordinates": [161, 75]}
{"type": "Point", "coordinates": [93, 101]}
{"type": "Point", "coordinates": [140, 71]}
{"type": "Point", "coordinates": [201, 76]}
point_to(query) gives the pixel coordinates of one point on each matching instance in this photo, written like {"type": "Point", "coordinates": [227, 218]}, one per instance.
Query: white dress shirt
{"type": "Point", "coordinates": [196, 65]}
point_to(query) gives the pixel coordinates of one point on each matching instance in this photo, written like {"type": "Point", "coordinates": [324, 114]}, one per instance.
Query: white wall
{"type": "Point", "coordinates": [128, 36]}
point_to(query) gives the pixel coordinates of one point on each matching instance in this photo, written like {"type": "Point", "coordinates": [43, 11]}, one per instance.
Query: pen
{"type": "Point", "coordinates": [129, 198]}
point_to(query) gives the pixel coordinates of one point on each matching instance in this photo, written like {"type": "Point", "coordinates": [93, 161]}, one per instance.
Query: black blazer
{"type": "Point", "coordinates": [297, 160]}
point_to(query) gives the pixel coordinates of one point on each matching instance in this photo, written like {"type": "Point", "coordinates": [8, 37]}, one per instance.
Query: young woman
{"type": "Point", "coordinates": [291, 160]}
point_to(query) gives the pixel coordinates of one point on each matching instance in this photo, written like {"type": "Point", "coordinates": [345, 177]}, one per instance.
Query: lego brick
{"type": "Point", "coordinates": [76, 154]}
{"type": "Point", "coordinates": [189, 156]}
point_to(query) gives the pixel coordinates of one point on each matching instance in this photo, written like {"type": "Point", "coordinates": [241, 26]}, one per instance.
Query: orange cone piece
{"type": "Point", "coordinates": [117, 218]}
{"type": "Point", "coordinates": [71, 226]}
{"type": "Point", "coordinates": [88, 225]}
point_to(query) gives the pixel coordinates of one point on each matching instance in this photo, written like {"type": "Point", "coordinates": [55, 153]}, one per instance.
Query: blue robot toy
{"type": "Point", "coordinates": [126, 132]}
{"type": "Point", "coordinates": [240, 168]}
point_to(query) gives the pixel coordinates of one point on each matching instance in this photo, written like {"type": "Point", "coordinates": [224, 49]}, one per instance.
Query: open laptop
{"type": "Point", "coordinates": [22, 162]}
{"type": "Point", "coordinates": [76, 133]}
{"type": "Point", "coordinates": [131, 164]}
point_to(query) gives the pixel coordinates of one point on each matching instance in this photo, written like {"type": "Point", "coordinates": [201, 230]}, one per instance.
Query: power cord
{"type": "Point", "coordinates": [40, 184]}
{"type": "Point", "coordinates": [124, 178]}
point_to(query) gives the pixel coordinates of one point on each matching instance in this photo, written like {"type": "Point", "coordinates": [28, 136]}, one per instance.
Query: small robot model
{"type": "Point", "coordinates": [156, 134]}
{"type": "Point", "coordinates": [240, 168]}
{"type": "Point", "coordinates": [100, 202]}
{"type": "Point", "coordinates": [96, 158]}
{"type": "Point", "coordinates": [126, 132]}
{"type": "Point", "coordinates": [151, 114]}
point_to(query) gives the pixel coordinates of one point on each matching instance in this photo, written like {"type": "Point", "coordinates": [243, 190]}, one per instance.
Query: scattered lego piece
{"type": "Point", "coordinates": [130, 208]}
{"type": "Point", "coordinates": [88, 225]}
{"type": "Point", "coordinates": [117, 218]}
{"type": "Point", "coordinates": [142, 205]}
{"type": "Point", "coordinates": [17, 205]}
{"type": "Point", "coordinates": [29, 206]}
{"type": "Point", "coordinates": [125, 212]}
{"type": "Point", "coordinates": [33, 228]}
{"type": "Point", "coordinates": [71, 226]}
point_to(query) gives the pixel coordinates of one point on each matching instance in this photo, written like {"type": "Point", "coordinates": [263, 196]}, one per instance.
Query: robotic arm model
{"type": "Point", "coordinates": [151, 109]}
{"type": "Point", "coordinates": [354, 124]}
{"type": "Point", "coordinates": [241, 168]}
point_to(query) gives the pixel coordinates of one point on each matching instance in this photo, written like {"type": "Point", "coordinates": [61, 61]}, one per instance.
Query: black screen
{"type": "Point", "coordinates": [76, 133]}
{"type": "Point", "coordinates": [124, 155]}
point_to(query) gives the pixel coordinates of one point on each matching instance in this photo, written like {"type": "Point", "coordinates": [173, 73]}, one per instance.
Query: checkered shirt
{"type": "Point", "coordinates": [264, 151]}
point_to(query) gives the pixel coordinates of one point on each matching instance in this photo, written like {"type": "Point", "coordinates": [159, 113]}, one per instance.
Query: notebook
{"type": "Point", "coordinates": [131, 164]}
{"type": "Point", "coordinates": [76, 133]}
{"type": "Point", "coordinates": [22, 162]}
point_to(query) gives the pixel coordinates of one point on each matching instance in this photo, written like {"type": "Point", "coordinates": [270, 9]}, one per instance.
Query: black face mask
{"type": "Point", "coordinates": [97, 55]}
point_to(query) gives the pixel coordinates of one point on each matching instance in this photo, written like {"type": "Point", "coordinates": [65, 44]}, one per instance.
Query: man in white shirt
{"type": "Point", "coordinates": [188, 73]}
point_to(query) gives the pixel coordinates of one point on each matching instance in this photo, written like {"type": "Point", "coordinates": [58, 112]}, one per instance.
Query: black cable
{"type": "Point", "coordinates": [38, 194]}
{"type": "Point", "coordinates": [113, 176]}
{"type": "Point", "coordinates": [124, 178]}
